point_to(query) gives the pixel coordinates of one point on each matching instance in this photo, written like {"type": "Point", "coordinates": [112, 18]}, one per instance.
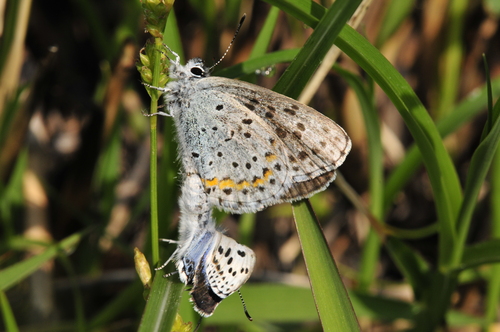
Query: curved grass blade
{"type": "Point", "coordinates": [332, 301]}
{"type": "Point", "coordinates": [371, 247]}
{"type": "Point", "coordinates": [442, 174]}
{"type": "Point", "coordinates": [9, 321]}
{"type": "Point", "coordinates": [17, 272]}
{"type": "Point", "coordinates": [463, 112]}
{"type": "Point", "coordinates": [479, 166]}
{"type": "Point", "coordinates": [485, 252]}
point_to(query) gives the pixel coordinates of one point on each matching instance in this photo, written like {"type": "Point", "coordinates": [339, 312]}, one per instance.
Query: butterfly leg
{"type": "Point", "coordinates": [173, 256]}
{"type": "Point", "coordinates": [177, 57]}
{"type": "Point", "coordinates": [156, 87]}
{"type": "Point", "coordinates": [157, 113]}
{"type": "Point", "coordinates": [168, 241]}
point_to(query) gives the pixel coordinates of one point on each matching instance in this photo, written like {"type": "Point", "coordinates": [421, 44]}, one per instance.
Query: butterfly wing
{"type": "Point", "coordinates": [291, 149]}
{"type": "Point", "coordinates": [240, 162]}
{"type": "Point", "coordinates": [224, 271]}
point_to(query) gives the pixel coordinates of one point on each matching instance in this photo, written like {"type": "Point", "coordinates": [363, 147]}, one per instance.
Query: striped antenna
{"type": "Point", "coordinates": [244, 306]}
{"type": "Point", "coordinates": [231, 43]}
{"type": "Point", "coordinates": [198, 325]}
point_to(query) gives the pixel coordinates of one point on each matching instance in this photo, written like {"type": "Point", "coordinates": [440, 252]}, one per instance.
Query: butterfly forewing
{"type": "Point", "coordinates": [239, 161]}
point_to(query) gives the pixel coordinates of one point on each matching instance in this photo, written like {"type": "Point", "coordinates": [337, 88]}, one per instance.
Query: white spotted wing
{"type": "Point", "coordinates": [221, 272]}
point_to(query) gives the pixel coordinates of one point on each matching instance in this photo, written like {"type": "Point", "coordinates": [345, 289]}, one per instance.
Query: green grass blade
{"type": "Point", "coordinates": [442, 173]}
{"type": "Point", "coordinates": [493, 293]}
{"type": "Point", "coordinates": [371, 247]}
{"type": "Point", "coordinates": [9, 321]}
{"type": "Point", "coordinates": [410, 263]}
{"type": "Point", "coordinates": [396, 12]}
{"type": "Point", "coordinates": [306, 11]}
{"type": "Point", "coordinates": [17, 272]}
{"type": "Point", "coordinates": [12, 198]}
{"type": "Point", "coordinates": [417, 233]}
{"type": "Point", "coordinates": [479, 166]}
{"type": "Point", "coordinates": [292, 305]}
{"type": "Point", "coordinates": [293, 81]}
{"type": "Point", "coordinates": [485, 252]}
{"type": "Point", "coordinates": [282, 304]}
{"type": "Point", "coordinates": [332, 301]}
{"type": "Point", "coordinates": [161, 306]}
{"type": "Point", "coordinates": [466, 110]}
{"type": "Point", "coordinates": [451, 58]}
{"type": "Point", "coordinates": [265, 34]}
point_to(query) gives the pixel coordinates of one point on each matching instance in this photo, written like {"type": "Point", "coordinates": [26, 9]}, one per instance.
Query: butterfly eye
{"type": "Point", "coordinates": [197, 71]}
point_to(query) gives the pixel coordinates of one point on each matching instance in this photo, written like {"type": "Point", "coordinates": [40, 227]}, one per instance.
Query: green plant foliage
{"type": "Point", "coordinates": [85, 178]}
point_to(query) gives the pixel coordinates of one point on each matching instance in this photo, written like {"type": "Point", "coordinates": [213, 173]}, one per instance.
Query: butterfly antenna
{"type": "Point", "coordinates": [232, 41]}
{"type": "Point", "coordinates": [198, 325]}
{"type": "Point", "coordinates": [244, 306]}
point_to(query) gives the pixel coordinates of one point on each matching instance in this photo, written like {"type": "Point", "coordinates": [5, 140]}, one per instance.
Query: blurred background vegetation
{"type": "Point", "coordinates": [74, 163]}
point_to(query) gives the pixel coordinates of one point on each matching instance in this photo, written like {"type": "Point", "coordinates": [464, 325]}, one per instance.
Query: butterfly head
{"type": "Point", "coordinates": [194, 68]}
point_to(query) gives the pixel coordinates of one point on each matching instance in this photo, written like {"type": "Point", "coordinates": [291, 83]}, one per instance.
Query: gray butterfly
{"type": "Point", "coordinates": [251, 147]}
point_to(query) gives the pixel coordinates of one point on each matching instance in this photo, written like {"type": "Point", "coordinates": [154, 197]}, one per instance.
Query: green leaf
{"type": "Point", "coordinates": [17, 272]}
{"type": "Point", "coordinates": [485, 252]}
{"type": "Point", "coordinates": [306, 11]}
{"type": "Point", "coordinates": [332, 300]}
{"type": "Point", "coordinates": [265, 34]}
{"type": "Point", "coordinates": [442, 174]}
{"type": "Point", "coordinates": [371, 248]}
{"type": "Point", "coordinates": [161, 306]}
{"type": "Point", "coordinates": [410, 263]}
{"type": "Point", "coordinates": [479, 166]}
{"type": "Point", "coordinates": [468, 108]}
{"type": "Point", "coordinates": [292, 305]}
{"type": "Point", "coordinates": [282, 304]}
{"type": "Point", "coordinates": [9, 321]}
{"type": "Point", "coordinates": [396, 12]}
{"type": "Point", "coordinates": [293, 81]}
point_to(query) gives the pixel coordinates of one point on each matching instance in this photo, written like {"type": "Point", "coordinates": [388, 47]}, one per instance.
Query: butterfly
{"type": "Point", "coordinates": [250, 146]}
{"type": "Point", "coordinates": [212, 264]}
{"type": "Point", "coordinates": [243, 148]}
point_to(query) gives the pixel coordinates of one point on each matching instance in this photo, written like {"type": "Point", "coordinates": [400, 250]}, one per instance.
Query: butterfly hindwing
{"type": "Point", "coordinates": [222, 272]}
{"type": "Point", "coordinates": [304, 143]}
{"type": "Point", "coordinates": [230, 267]}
